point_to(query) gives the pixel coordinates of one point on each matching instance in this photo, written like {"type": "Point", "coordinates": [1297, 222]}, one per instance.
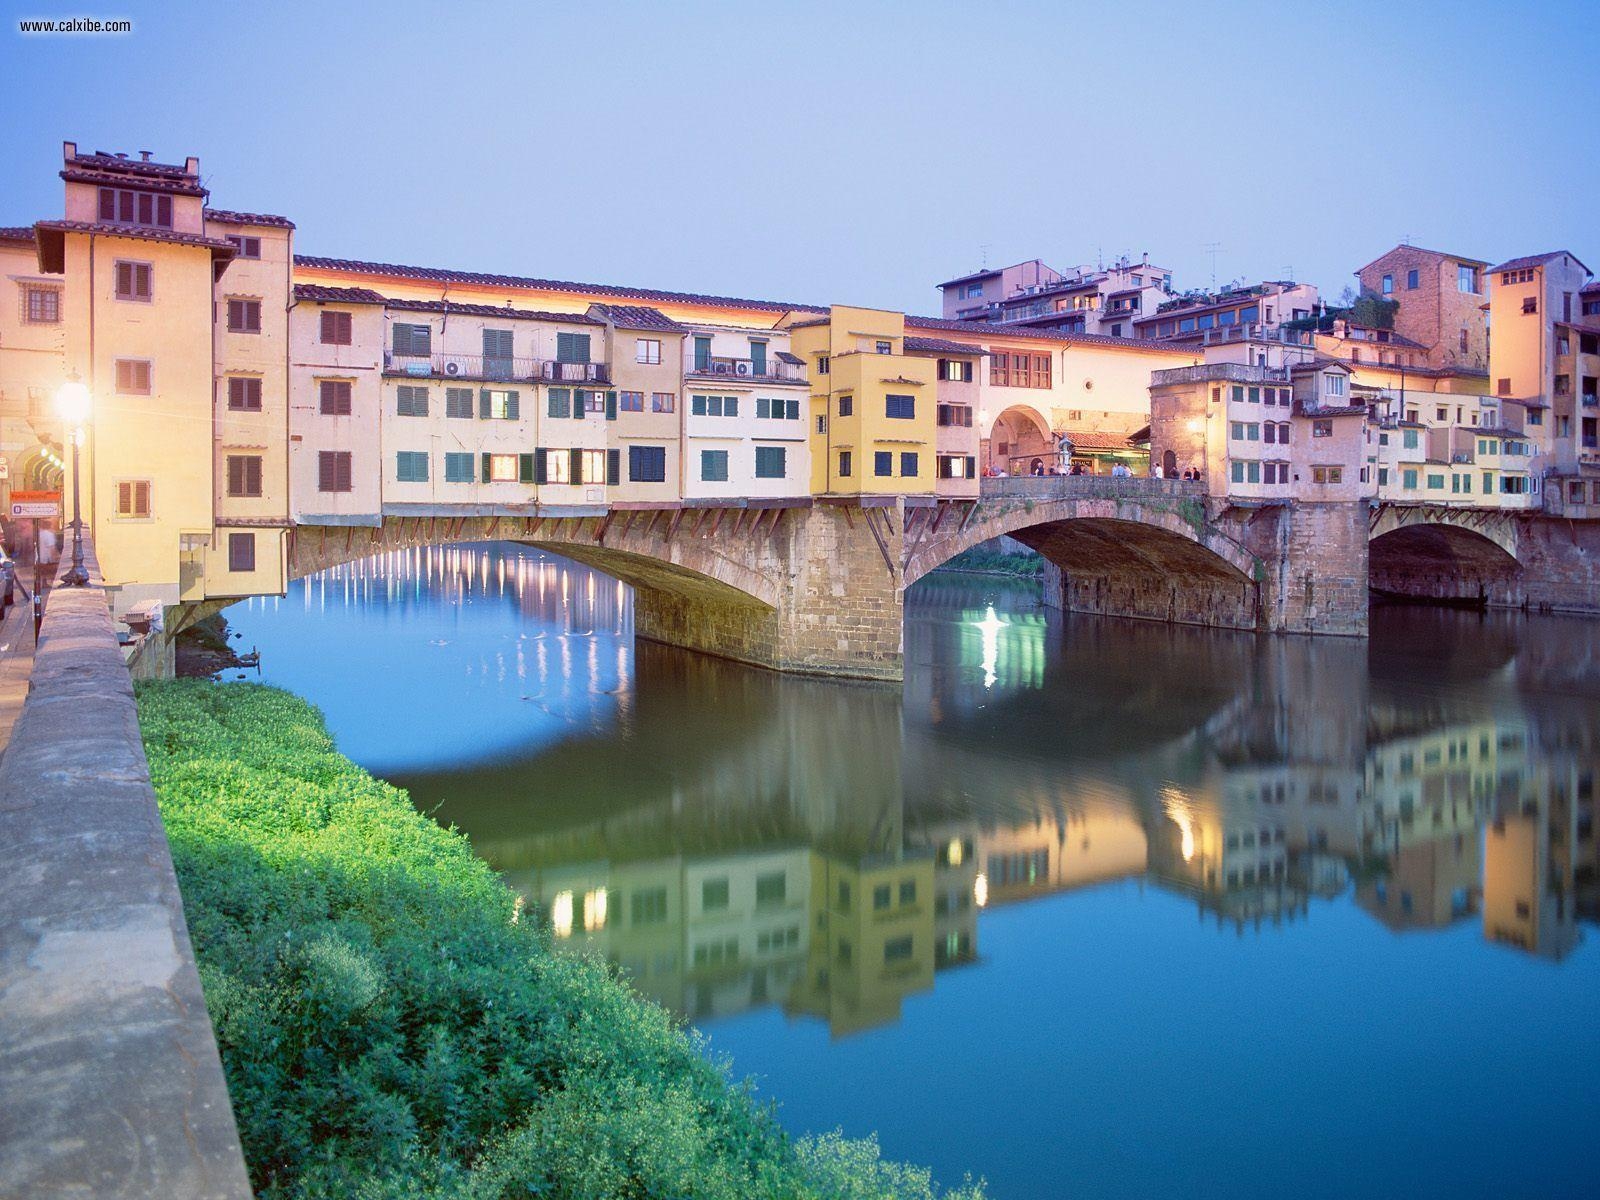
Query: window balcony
{"type": "Point", "coordinates": [770, 370]}
{"type": "Point", "coordinates": [479, 369]}
{"type": "Point", "coordinates": [1219, 373]}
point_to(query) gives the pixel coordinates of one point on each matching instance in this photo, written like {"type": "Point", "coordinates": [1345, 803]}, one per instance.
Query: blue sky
{"type": "Point", "coordinates": [854, 153]}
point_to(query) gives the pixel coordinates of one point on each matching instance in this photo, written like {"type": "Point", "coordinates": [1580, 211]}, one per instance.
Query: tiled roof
{"type": "Point", "coordinates": [1533, 260]}
{"type": "Point", "coordinates": [16, 233]}
{"type": "Point", "coordinates": [925, 345]}
{"type": "Point", "coordinates": [142, 232]}
{"type": "Point", "coordinates": [1088, 439]}
{"type": "Point", "coordinates": [317, 293]}
{"type": "Point", "coordinates": [1460, 258]}
{"type": "Point", "coordinates": [807, 324]}
{"type": "Point", "coordinates": [180, 184]}
{"type": "Point", "coordinates": [1591, 287]}
{"type": "Point", "coordinates": [225, 216]}
{"type": "Point", "coordinates": [986, 330]}
{"type": "Point", "coordinates": [444, 275]}
{"type": "Point", "coordinates": [121, 162]}
{"type": "Point", "coordinates": [1322, 361]}
{"type": "Point", "coordinates": [968, 278]}
{"type": "Point", "coordinates": [1530, 402]}
{"type": "Point", "coordinates": [638, 316]}
{"type": "Point", "coordinates": [1328, 410]}
{"type": "Point", "coordinates": [489, 310]}
{"type": "Point", "coordinates": [794, 360]}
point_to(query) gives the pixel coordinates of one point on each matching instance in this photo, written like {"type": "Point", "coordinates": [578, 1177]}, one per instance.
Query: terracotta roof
{"type": "Point", "coordinates": [923, 345]}
{"type": "Point", "coordinates": [1460, 258]}
{"type": "Point", "coordinates": [1321, 362]}
{"type": "Point", "coordinates": [1087, 439]}
{"type": "Point", "coordinates": [132, 166]}
{"type": "Point", "coordinates": [794, 360]}
{"type": "Point", "coordinates": [968, 278]}
{"type": "Point", "coordinates": [489, 310]}
{"type": "Point", "coordinates": [16, 233]}
{"type": "Point", "coordinates": [988, 330]}
{"type": "Point", "coordinates": [638, 316]}
{"type": "Point", "coordinates": [52, 239]}
{"type": "Point", "coordinates": [1328, 410]}
{"type": "Point", "coordinates": [1530, 402]}
{"type": "Point", "coordinates": [319, 294]}
{"type": "Point", "coordinates": [445, 275]}
{"type": "Point", "coordinates": [1590, 287]}
{"type": "Point", "coordinates": [120, 176]}
{"type": "Point", "coordinates": [1534, 260]}
{"type": "Point", "coordinates": [808, 324]}
{"type": "Point", "coordinates": [224, 216]}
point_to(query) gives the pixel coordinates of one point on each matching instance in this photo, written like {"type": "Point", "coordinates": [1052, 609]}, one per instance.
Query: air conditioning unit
{"type": "Point", "coordinates": [452, 368]}
{"type": "Point", "coordinates": [743, 368]}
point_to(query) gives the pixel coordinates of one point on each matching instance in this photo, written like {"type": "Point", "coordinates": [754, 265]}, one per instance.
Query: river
{"type": "Point", "coordinates": [1090, 908]}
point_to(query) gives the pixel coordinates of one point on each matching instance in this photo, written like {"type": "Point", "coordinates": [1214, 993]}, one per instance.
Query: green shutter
{"type": "Point", "coordinates": [512, 400]}
{"type": "Point", "coordinates": [611, 406]}
{"type": "Point", "coordinates": [580, 403]}
{"type": "Point", "coordinates": [575, 473]}
{"type": "Point", "coordinates": [525, 468]}
{"type": "Point", "coordinates": [483, 404]}
{"type": "Point", "coordinates": [613, 467]}
{"type": "Point", "coordinates": [541, 470]}
{"type": "Point", "coordinates": [485, 468]}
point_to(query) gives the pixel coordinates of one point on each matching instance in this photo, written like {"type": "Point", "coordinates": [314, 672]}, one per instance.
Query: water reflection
{"type": "Point", "coordinates": [734, 839]}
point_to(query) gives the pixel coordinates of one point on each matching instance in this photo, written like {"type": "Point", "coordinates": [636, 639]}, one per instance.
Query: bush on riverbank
{"type": "Point", "coordinates": [986, 559]}
{"type": "Point", "coordinates": [390, 1027]}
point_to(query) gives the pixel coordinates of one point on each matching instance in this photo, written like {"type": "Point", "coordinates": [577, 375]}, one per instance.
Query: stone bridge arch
{"type": "Point", "coordinates": [1135, 547]}
{"type": "Point", "coordinates": [1434, 552]}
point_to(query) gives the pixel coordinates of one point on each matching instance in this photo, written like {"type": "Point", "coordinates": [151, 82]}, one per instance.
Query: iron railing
{"type": "Point", "coordinates": [1088, 487]}
{"type": "Point", "coordinates": [480, 368]}
{"type": "Point", "coordinates": [767, 370]}
{"type": "Point", "coordinates": [1219, 373]}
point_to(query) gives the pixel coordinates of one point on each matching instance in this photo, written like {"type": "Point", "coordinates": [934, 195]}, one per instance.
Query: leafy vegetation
{"type": "Point", "coordinates": [389, 1024]}
{"type": "Point", "coordinates": [986, 557]}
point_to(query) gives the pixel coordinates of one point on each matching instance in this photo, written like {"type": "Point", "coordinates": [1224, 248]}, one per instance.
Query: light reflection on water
{"type": "Point", "coordinates": [1089, 907]}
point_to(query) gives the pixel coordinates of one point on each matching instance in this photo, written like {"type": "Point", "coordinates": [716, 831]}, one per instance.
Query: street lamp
{"type": "Point", "coordinates": [72, 403]}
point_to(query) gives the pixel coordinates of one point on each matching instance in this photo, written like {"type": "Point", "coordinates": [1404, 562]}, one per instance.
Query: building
{"type": "Point", "coordinates": [1234, 314]}
{"type": "Point", "coordinates": [1083, 299]}
{"type": "Point", "coordinates": [1438, 303]}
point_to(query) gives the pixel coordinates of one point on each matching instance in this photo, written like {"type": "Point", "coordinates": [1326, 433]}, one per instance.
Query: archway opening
{"type": "Point", "coordinates": [1443, 564]}
{"type": "Point", "coordinates": [1020, 443]}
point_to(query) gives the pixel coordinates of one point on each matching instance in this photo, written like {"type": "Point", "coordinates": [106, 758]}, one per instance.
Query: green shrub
{"type": "Point", "coordinates": [388, 1025]}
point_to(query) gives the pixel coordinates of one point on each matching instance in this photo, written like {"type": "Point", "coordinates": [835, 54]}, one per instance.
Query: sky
{"type": "Point", "coordinates": [853, 153]}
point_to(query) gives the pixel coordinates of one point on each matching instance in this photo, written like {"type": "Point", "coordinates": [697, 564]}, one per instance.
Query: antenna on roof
{"type": "Point", "coordinates": [1211, 249]}
{"type": "Point", "coordinates": [983, 257]}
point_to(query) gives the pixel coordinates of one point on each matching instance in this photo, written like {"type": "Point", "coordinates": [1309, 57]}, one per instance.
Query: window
{"type": "Point", "coordinates": [847, 406]}
{"type": "Point", "coordinates": [411, 401]}
{"type": "Point", "coordinates": [413, 341]}
{"type": "Point", "coordinates": [647, 350]}
{"type": "Point", "coordinates": [648, 906]}
{"type": "Point", "coordinates": [133, 499]}
{"type": "Point", "coordinates": [572, 347]}
{"type": "Point", "coordinates": [245, 247]}
{"type": "Point", "coordinates": [498, 404]}
{"type": "Point", "coordinates": [955, 466]}
{"type": "Point", "coordinates": [822, 364]}
{"type": "Point", "coordinates": [1322, 429]}
{"type": "Point", "coordinates": [1388, 284]}
{"type": "Point", "coordinates": [908, 464]}
{"type": "Point", "coordinates": [333, 470]}
{"type": "Point", "coordinates": [1563, 385]}
{"type": "Point", "coordinates": [955, 370]}
{"type": "Point", "coordinates": [770, 462]}
{"type": "Point", "coordinates": [958, 415]}
{"type": "Point", "coordinates": [244, 393]}
{"type": "Point", "coordinates": [241, 552]}
{"type": "Point", "coordinates": [647, 464]}
{"type": "Point", "coordinates": [133, 281]}
{"type": "Point", "coordinates": [897, 950]}
{"type": "Point", "coordinates": [335, 329]}
{"type": "Point", "coordinates": [1327, 474]}
{"type": "Point", "coordinates": [558, 402]}
{"type": "Point", "coordinates": [971, 291]}
{"type": "Point", "coordinates": [333, 396]}
{"type": "Point", "coordinates": [1408, 438]}
{"type": "Point", "coordinates": [458, 402]}
{"type": "Point", "coordinates": [881, 895]}
{"type": "Point", "coordinates": [883, 463]}
{"type": "Point", "coordinates": [1466, 278]}
{"type": "Point", "coordinates": [411, 466]}
{"type": "Point", "coordinates": [884, 347]}
{"type": "Point", "coordinates": [244, 316]}
{"type": "Point", "coordinates": [458, 466]}
{"type": "Point", "coordinates": [41, 305]}
{"type": "Point", "coordinates": [1408, 478]}
{"type": "Point", "coordinates": [771, 889]}
{"type": "Point", "coordinates": [714, 895]}
{"type": "Point", "coordinates": [501, 468]}
{"type": "Point", "coordinates": [1336, 385]}
{"type": "Point", "coordinates": [1411, 279]}
{"type": "Point", "coordinates": [845, 462]}
{"type": "Point", "coordinates": [900, 408]}
{"type": "Point", "coordinates": [777, 409]}
{"type": "Point", "coordinates": [553, 466]}
{"type": "Point", "coordinates": [592, 401]}
{"type": "Point", "coordinates": [593, 463]}
{"type": "Point", "coordinates": [1530, 304]}
{"type": "Point", "coordinates": [133, 377]}
{"type": "Point", "coordinates": [630, 401]}
{"type": "Point", "coordinates": [663, 402]}
{"type": "Point", "coordinates": [714, 466]}
{"type": "Point", "coordinates": [714, 406]}
{"type": "Point", "coordinates": [124, 207]}
{"type": "Point", "coordinates": [244, 475]}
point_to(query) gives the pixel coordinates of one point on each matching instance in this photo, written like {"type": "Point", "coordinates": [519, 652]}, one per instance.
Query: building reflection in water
{"type": "Point", "coordinates": [744, 839]}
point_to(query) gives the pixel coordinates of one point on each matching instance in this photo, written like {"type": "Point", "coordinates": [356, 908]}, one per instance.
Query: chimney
{"type": "Point", "coordinates": [69, 150]}
{"type": "Point", "coordinates": [144, 156]}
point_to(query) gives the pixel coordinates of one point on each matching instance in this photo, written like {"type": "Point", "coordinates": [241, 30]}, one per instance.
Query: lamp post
{"type": "Point", "coordinates": [72, 402]}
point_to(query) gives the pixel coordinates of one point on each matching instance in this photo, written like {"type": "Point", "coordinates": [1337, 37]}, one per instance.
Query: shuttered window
{"type": "Point", "coordinates": [133, 498]}
{"type": "Point", "coordinates": [133, 377]}
{"type": "Point", "coordinates": [883, 463]}
{"type": "Point", "coordinates": [413, 341]}
{"type": "Point", "coordinates": [244, 393]}
{"type": "Point", "coordinates": [245, 247]}
{"type": "Point", "coordinates": [458, 402]}
{"type": "Point", "coordinates": [777, 409]}
{"type": "Point", "coordinates": [956, 466]}
{"type": "Point", "coordinates": [845, 462]}
{"type": "Point", "coordinates": [497, 344]}
{"type": "Point", "coordinates": [125, 207]}
{"type": "Point", "coordinates": [333, 470]}
{"type": "Point", "coordinates": [244, 316]}
{"type": "Point", "coordinates": [552, 466]}
{"type": "Point", "coordinates": [458, 466]}
{"type": "Point", "coordinates": [647, 464]}
{"type": "Point", "coordinates": [572, 347]}
{"type": "Point", "coordinates": [499, 404]}
{"type": "Point", "coordinates": [559, 403]}
{"type": "Point", "coordinates": [241, 552]}
{"type": "Point", "coordinates": [908, 464]}
{"type": "Point", "coordinates": [335, 329]}
{"type": "Point", "coordinates": [714, 466]}
{"type": "Point", "coordinates": [411, 466]}
{"type": "Point", "coordinates": [770, 462]}
{"type": "Point", "coordinates": [244, 475]}
{"type": "Point", "coordinates": [957, 415]}
{"type": "Point", "coordinates": [333, 397]}
{"type": "Point", "coordinates": [133, 280]}
{"type": "Point", "coordinates": [900, 408]}
{"type": "Point", "coordinates": [411, 401]}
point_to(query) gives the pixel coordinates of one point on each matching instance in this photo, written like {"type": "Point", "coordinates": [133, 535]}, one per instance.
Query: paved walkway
{"type": "Point", "coordinates": [16, 663]}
